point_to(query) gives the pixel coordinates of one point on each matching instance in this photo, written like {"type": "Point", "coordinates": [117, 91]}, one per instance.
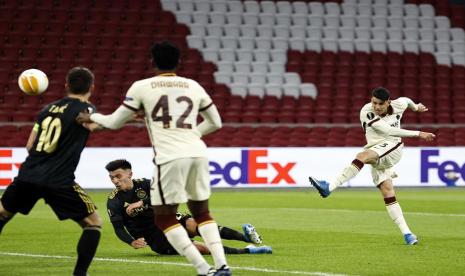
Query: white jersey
{"type": "Point", "coordinates": [387, 128]}
{"type": "Point", "coordinates": [171, 104]}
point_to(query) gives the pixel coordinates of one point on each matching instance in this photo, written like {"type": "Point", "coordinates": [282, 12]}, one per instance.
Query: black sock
{"type": "Point", "coordinates": [232, 250]}
{"type": "Point", "coordinates": [86, 248]}
{"type": "Point", "coordinates": [230, 234]}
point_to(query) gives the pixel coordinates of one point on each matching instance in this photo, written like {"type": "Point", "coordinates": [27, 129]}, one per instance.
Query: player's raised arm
{"type": "Point", "coordinates": [119, 117]}
{"type": "Point", "coordinates": [382, 126]}
{"type": "Point", "coordinates": [115, 120]}
{"type": "Point", "coordinates": [413, 106]}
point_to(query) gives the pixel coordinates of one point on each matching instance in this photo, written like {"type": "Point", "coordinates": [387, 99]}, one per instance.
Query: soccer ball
{"type": "Point", "coordinates": [33, 82]}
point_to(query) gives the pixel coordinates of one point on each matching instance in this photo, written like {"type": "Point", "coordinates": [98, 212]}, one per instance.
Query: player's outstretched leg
{"type": "Point", "coordinates": [259, 249]}
{"type": "Point", "coordinates": [250, 234]}
{"type": "Point", "coordinates": [321, 185]}
{"type": "Point", "coordinates": [349, 172]}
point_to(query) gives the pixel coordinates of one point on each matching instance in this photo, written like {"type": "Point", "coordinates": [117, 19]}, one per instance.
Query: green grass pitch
{"type": "Point", "coordinates": [348, 233]}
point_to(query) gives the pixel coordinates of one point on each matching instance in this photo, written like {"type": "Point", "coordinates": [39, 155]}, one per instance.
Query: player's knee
{"type": "Point", "coordinates": [191, 227]}
{"type": "Point", "coordinates": [202, 217]}
{"type": "Point", "coordinates": [4, 214]}
{"type": "Point", "coordinates": [164, 222]}
{"type": "Point", "coordinates": [92, 221]}
{"type": "Point", "coordinates": [387, 189]}
{"type": "Point", "coordinates": [198, 207]}
{"type": "Point", "coordinates": [366, 157]}
{"type": "Point", "coordinates": [362, 156]}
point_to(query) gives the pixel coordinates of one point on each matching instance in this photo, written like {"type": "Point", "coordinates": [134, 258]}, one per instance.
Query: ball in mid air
{"type": "Point", "coordinates": [33, 82]}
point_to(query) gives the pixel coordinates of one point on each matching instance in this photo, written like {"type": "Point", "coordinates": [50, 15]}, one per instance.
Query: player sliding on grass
{"type": "Point", "coordinates": [380, 120]}
{"type": "Point", "coordinates": [132, 218]}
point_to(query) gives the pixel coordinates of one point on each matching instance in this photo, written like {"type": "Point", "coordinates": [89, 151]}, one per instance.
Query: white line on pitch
{"type": "Point", "coordinates": [172, 263]}
{"type": "Point", "coordinates": [370, 211]}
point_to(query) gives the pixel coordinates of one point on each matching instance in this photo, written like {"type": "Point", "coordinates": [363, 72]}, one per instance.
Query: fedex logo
{"type": "Point", "coordinates": [7, 166]}
{"type": "Point", "coordinates": [442, 168]}
{"type": "Point", "coordinates": [249, 168]}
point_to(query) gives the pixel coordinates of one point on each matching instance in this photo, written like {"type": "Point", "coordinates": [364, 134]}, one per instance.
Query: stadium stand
{"type": "Point", "coordinates": [282, 73]}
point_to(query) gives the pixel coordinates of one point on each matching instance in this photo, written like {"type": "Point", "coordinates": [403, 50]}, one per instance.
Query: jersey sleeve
{"type": "Point", "coordinates": [132, 99]}
{"type": "Point", "coordinates": [205, 99]}
{"type": "Point", "coordinates": [384, 127]}
{"type": "Point", "coordinates": [407, 102]}
{"type": "Point", "coordinates": [146, 186]}
{"type": "Point", "coordinates": [367, 117]}
{"type": "Point", "coordinates": [403, 103]}
{"type": "Point", "coordinates": [114, 210]}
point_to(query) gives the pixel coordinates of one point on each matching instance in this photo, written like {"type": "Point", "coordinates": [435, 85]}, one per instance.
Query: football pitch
{"type": "Point", "coordinates": [348, 233]}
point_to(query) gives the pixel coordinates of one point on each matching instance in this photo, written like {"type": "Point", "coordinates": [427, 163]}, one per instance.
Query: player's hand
{"type": "Point", "coordinates": [138, 116]}
{"type": "Point", "coordinates": [427, 136]}
{"type": "Point", "coordinates": [131, 207]}
{"type": "Point", "coordinates": [93, 126]}
{"type": "Point", "coordinates": [83, 118]}
{"type": "Point", "coordinates": [139, 243]}
{"type": "Point", "coordinates": [421, 108]}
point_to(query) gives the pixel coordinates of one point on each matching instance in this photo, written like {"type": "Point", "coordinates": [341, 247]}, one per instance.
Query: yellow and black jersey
{"type": "Point", "coordinates": [57, 148]}
{"type": "Point", "coordinates": [118, 201]}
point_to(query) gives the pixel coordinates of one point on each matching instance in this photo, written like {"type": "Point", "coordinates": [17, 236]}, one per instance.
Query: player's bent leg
{"type": "Point", "coordinates": [165, 220]}
{"type": "Point", "coordinates": [227, 233]}
{"type": "Point", "coordinates": [88, 242]}
{"type": "Point", "coordinates": [208, 229]}
{"type": "Point", "coordinates": [395, 211]}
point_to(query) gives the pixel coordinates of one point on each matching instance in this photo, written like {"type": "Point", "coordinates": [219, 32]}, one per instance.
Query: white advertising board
{"type": "Point", "coordinates": [265, 167]}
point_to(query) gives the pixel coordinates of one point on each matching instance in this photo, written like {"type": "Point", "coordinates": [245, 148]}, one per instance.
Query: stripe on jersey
{"type": "Point", "coordinates": [130, 107]}
{"type": "Point", "coordinates": [206, 107]}
{"type": "Point", "coordinates": [374, 121]}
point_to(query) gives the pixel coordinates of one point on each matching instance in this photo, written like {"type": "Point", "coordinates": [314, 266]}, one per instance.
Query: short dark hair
{"type": "Point", "coordinates": [79, 80]}
{"type": "Point", "coordinates": [165, 55]}
{"type": "Point", "coordinates": [118, 164]}
{"type": "Point", "coordinates": [381, 93]}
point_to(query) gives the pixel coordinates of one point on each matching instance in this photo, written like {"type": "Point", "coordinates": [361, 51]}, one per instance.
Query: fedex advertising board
{"type": "Point", "coordinates": [266, 167]}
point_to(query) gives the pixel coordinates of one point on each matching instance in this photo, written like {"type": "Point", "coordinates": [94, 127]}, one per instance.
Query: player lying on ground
{"type": "Point", "coordinates": [380, 120]}
{"type": "Point", "coordinates": [132, 218]}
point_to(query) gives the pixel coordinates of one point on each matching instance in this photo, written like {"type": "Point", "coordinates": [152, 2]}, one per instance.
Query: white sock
{"type": "Point", "coordinates": [348, 173]}
{"type": "Point", "coordinates": [395, 212]}
{"type": "Point", "coordinates": [179, 239]}
{"type": "Point", "coordinates": [211, 236]}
